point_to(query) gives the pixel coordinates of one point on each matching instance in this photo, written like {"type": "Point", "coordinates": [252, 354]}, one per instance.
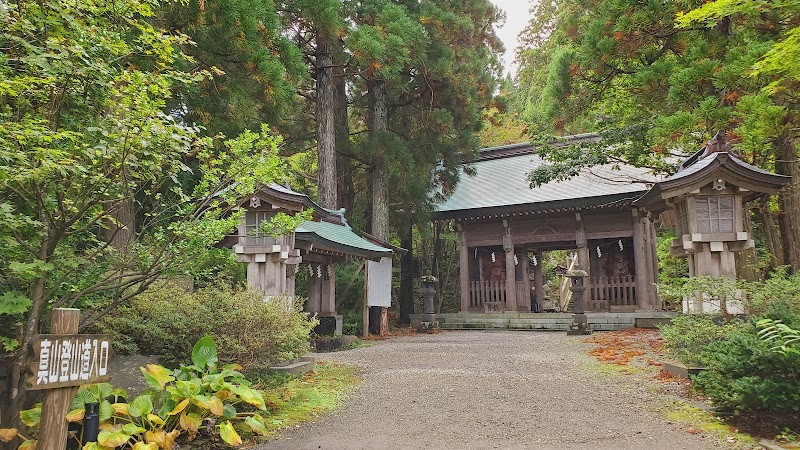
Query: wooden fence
{"type": "Point", "coordinates": [481, 292]}
{"type": "Point", "coordinates": [608, 292]}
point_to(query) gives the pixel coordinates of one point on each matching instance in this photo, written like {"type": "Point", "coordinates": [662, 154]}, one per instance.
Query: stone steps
{"type": "Point", "coordinates": [545, 321]}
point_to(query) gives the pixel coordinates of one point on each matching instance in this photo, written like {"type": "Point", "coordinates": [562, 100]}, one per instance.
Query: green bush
{"type": "Point", "coordinates": [780, 287]}
{"type": "Point", "coordinates": [689, 335]}
{"type": "Point", "coordinates": [744, 373]}
{"type": "Point", "coordinates": [246, 329]}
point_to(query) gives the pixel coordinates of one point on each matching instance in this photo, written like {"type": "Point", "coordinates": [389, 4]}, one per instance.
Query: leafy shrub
{"type": "Point", "coordinates": [247, 330]}
{"type": "Point", "coordinates": [689, 335]}
{"type": "Point", "coordinates": [743, 373]}
{"type": "Point", "coordinates": [780, 287]}
{"type": "Point", "coordinates": [181, 405]}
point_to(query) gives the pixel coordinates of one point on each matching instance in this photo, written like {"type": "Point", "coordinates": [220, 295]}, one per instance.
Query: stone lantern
{"type": "Point", "coordinates": [579, 325]}
{"type": "Point", "coordinates": [428, 289]}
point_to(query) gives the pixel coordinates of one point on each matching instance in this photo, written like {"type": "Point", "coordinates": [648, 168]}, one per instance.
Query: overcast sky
{"type": "Point", "coordinates": [517, 16]}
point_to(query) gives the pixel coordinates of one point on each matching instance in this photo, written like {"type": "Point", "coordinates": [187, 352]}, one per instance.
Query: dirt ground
{"type": "Point", "coordinates": [483, 390]}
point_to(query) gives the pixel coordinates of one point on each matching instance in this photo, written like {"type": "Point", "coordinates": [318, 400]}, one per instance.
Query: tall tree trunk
{"type": "Point", "coordinates": [407, 276]}
{"type": "Point", "coordinates": [120, 227]}
{"type": "Point", "coordinates": [789, 201]}
{"type": "Point", "coordinates": [380, 178]}
{"type": "Point", "coordinates": [326, 132]}
{"type": "Point", "coordinates": [344, 178]}
{"type": "Point", "coordinates": [772, 235]}
{"type": "Point", "coordinates": [380, 165]}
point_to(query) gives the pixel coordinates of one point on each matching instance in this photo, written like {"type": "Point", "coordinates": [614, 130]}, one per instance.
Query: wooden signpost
{"type": "Point", "coordinates": [64, 360]}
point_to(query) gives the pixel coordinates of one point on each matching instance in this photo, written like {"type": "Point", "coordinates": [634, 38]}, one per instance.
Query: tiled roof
{"type": "Point", "coordinates": [340, 238]}
{"type": "Point", "coordinates": [502, 181]}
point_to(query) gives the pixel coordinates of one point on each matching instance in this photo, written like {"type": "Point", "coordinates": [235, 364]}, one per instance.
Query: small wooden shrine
{"type": "Point", "coordinates": [316, 246]}
{"type": "Point", "coordinates": [707, 197]}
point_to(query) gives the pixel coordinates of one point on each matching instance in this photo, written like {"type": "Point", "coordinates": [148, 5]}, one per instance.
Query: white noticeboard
{"type": "Point", "coordinates": [379, 282]}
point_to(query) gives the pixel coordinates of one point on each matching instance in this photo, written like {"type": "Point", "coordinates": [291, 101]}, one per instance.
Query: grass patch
{"type": "Point", "coordinates": [706, 422]}
{"type": "Point", "coordinates": [309, 396]}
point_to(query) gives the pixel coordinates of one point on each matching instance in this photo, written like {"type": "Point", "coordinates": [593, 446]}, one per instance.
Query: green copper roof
{"type": "Point", "coordinates": [339, 238]}
{"type": "Point", "coordinates": [502, 182]}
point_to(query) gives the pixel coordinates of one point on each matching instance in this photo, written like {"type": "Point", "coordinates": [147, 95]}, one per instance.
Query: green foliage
{"type": "Point", "coordinates": [247, 330]}
{"type": "Point", "coordinates": [785, 339]}
{"type": "Point", "coordinates": [743, 373]}
{"type": "Point", "coordinates": [174, 409]}
{"type": "Point", "coordinates": [217, 267]}
{"type": "Point", "coordinates": [718, 291]}
{"type": "Point", "coordinates": [85, 129]}
{"type": "Point", "coordinates": [282, 223]}
{"type": "Point", "coordinates": [352, 323]}
{"type": "Point", "coordinates": [688, 336]}
{"type": "Point", "coordinates": [780, 287]}
{"type": "Point", "coordinates": [669, 267]}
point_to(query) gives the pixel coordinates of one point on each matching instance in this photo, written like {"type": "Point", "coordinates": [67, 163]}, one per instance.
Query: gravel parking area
{"type": "Point", "coordinates": [483, 390]}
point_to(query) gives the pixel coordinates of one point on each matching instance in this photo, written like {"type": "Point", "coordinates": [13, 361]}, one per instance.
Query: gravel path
{"type": "Point", "coordinates": [483, 390]}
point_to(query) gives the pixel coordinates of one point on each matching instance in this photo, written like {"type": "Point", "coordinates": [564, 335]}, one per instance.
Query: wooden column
{"type": "Point", "coordinates": [525, 263]}
{"type": "Point", "coordinates": [314, 301]}
{"type": "Point", "coordinates": [654, 261]}
{"type": "Point", "coordinates": [328, 300]}
{"type": "Point", "coordinates": [56, 403]}
{"type": "Point", "coordinates": [365, 303]}
{"type": "Point", "coordinates": [511, 272]}
{"type": "Point", "coordinates": [538, 281]}
{"type": "Point", "coordinates": [583, 258]}
{"type": "Point", "coordinates": [463, 271]}
{"type": "Point", "coordinates": [640, 262]}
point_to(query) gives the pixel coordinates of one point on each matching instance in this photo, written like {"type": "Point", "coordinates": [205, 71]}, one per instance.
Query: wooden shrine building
{"type": "Point", "coordinates": [316, 246]}
{"type": "Point", "coordinates": [505, 225]}
{"type": "Point", "coordinates": [606, 214]}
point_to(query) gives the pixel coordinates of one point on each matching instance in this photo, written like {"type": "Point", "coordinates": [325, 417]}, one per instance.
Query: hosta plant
{"type": "Point", "coordinates": [179, 406]}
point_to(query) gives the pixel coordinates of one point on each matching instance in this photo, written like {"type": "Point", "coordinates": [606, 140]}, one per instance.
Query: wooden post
{"type": "Point", "coordinates": [56, 403]}
{"type": "Point", "coordinates": [538, 281]}
{"type": "Point", "coordinates": [365, 303]}
{"type": "Point", "coordinates": [640, 262]}
{"type": "Point", "coordinates": [583, 256]}
{"type": "Point", "coordinates": [463, 271]}
{"type": "Point", "coordinates": [511, 273]}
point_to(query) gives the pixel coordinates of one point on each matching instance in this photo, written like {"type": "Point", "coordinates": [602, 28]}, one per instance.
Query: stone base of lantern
{"type": "Point", "coordinates": [579, 326]}
{"type": "Point", "coordinates": [427, 321]}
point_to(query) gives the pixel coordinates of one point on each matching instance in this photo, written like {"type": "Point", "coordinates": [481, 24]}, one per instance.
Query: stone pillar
{"type": "Point", "coordinates": [538, 281]}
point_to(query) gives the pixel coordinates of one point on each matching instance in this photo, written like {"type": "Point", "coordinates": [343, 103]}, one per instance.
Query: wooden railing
{"type": "Point", "coordinates": [608, 292]}
{"type": "Point", "coordinates": [481, 292]}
